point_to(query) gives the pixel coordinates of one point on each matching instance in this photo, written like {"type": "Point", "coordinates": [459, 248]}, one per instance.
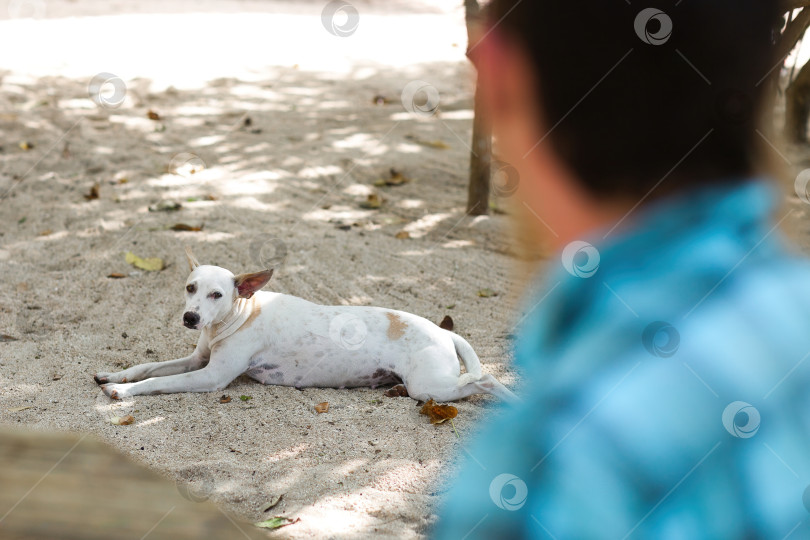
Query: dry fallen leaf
{"type": "Point", "coordinates": [116, 275]}
{"type": "Point", "coordinates": [395, 178]}
{"type": "Point", "coordinates": [165, 206]}
{"type": "Point", "coordinates": [438, 413]}
{"type": "Point", "coordinates": [17, 409]}
{"type": "Point", "coordinates": [93, 193]}
{"type": "Point", "coordinates": [150, 264]}
{"type": "Point", "coordinates": [380, 99]}
{"type": "Point", "coordinates": [25, 145]}
{"type": "Point", "coordinates": [152, 115]}
{"type": "Point", "coordinates": [402, 235]}
{"type": "Point", "coordinates": [438, 145]}
{"type": "Point", "coordinates": [46, 232]}
{"type": "Point", "coordinates": [184, 227]}
{"type": "Point", "coordinates": [447, 323]}
{"type": "Point", "coordinates": [322, 407]}
{"type": "Point", "coordinates": [122, 420]}
{"type": "Point", "coordinates": [6, 337]}
{"type": "Point", "coordinates": [225, 399]}
{"type": "Point", "coordinates": [486, 293]}
{"type": "Point", "coordinates": [273, 502]}
{"type": "Point", "coordinates": [372, 202]}
{"type": "Point", "coordinates": [397, 391]}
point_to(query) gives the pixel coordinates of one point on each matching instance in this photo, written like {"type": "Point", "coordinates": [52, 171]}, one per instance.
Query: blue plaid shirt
{"type": "Point", "coordinates": [667, 386]}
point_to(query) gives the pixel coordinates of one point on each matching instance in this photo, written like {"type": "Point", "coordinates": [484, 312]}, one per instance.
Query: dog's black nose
{"type": "Point", "coordinates": [190, 319]}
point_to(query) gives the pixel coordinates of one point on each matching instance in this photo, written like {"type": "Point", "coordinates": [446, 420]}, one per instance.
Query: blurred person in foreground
{"type": "Point", "coordinates": [664, 356]}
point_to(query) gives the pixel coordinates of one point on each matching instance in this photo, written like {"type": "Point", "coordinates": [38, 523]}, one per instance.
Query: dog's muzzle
{"type": "Point", "coordinates": [191, 320]}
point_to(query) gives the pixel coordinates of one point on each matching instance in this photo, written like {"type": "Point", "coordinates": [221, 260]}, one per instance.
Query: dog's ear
{"type": "Point", "coordinates": [247, 284]}
{"type": "Point", "coordinates": [192, 260]}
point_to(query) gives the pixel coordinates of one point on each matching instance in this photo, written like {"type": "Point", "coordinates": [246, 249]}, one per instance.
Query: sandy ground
{"type": "Point", "coordinates": [287, 141]}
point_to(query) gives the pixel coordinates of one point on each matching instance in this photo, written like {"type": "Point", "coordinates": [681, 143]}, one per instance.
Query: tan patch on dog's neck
{"type": "Point", "coordinates": [255, 310]}
{"type": "Point", "coordinates": [396, 328]}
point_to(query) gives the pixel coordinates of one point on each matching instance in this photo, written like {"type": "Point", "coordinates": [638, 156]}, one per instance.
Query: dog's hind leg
{"type": "Point", "coordinates": [447, 388]}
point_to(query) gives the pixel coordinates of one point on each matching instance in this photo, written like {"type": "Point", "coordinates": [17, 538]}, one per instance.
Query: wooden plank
{"type": "Point", "coordinates": [72, 486]}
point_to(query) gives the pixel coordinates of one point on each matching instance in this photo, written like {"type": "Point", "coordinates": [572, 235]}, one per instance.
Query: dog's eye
{"type": "Point", "coordinates": [216, 294]}
{"type": "Point", "coordinates": [191, 288]}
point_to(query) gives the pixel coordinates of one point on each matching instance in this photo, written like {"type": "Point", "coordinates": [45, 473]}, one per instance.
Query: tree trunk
{"type": "Point", "coordinates": [797, 106]}
{"type": "Point", "coordinates": [481, 153]}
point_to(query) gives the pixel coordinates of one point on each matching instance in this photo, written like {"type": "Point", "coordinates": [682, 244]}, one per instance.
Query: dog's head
{"type": "Point", "coordinates": [211, 291]}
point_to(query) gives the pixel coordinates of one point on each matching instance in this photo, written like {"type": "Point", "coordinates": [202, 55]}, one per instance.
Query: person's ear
{"type": "Point", "coordinates": [247, 284]}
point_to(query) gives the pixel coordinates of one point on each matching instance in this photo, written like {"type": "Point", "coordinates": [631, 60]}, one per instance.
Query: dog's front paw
{"type": "Point", "coordinates": [116, 391]}
{"type": "Point", "coordinates": [104, 378]}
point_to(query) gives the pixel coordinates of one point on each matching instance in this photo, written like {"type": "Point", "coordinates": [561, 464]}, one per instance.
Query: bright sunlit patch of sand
{"type": "Point", "coordinates": [426, 224]}
{"type": "Point", "coordinates": [286, 454]}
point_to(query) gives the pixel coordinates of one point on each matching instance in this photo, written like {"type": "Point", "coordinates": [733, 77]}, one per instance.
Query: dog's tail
{"type": "Point", "coordinates": [471, 362]}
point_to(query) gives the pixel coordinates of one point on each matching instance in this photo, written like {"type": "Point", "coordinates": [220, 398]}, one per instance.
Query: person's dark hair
{"type": "Point", "coordinates": [628, 103]}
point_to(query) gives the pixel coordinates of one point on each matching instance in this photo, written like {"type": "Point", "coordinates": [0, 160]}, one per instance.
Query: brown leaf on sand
{"type": "Point", "coordinates": [122, 420]}
{"type": "Point", "coordinates": [152, 115]}
{"type": "Point", "coordinates": [395, 178]}
{"type": "Point", "coordinates": [46, 232]}
{"type": "Point", "coordinates": [403, 235]}
{"type": "Point", "coordinates": [397, 391]}
{"type": "Point", "coordinates": [116, 275]}
{"type": "Point", "coordinates": [380, 99]}
{"type": "Point", "coordinates": [438, 413]}
{"type": "Point", "coordinates": [185, 227]}
{"type": "Point", "coordinates": [322, 407]}
{"type": "Point", "coordinates": [487, 293]}
{"type": "Point", "coordinates": [93, 193]}
{"type": "Point", "coordinates": [372, 202]}
{"type": "Point", "coordinates": [6, 337]}
{"type": "Point", "coordinates": [447, 323]}
{"type": "Point", "coordinates": [225, 399]}
{"type": "Point", "coordinates": [438, 145]}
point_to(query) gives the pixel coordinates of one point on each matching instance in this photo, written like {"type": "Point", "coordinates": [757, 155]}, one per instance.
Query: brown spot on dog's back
{"type": "Point", "coordinates": [396, 326]}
